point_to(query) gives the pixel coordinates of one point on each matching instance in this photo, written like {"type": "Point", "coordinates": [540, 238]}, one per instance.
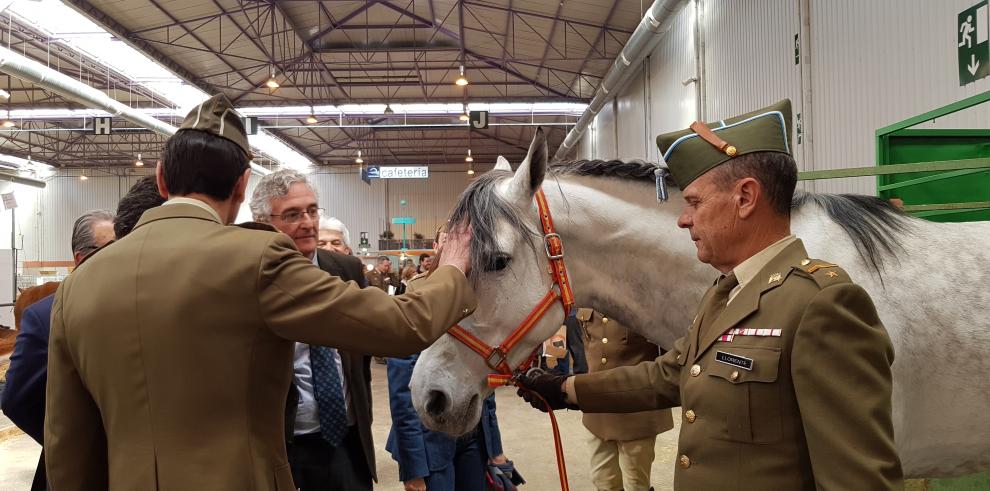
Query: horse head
{"type": "Point", "coordinates": [509, 274]}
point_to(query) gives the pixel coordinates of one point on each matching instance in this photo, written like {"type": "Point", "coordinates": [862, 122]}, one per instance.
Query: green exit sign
{"type": "Point", "coordinates": [972, 44]}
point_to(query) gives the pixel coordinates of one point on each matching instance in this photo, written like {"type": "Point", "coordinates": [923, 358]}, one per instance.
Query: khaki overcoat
{"type": "Point", "coordinates": [801, 404]}
{"type": "Point", "coordinates": [608, 344]}
{"type": "Point", "coordinates": [171, 352]}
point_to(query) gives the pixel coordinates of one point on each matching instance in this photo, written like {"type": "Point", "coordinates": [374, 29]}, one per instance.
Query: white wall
{"type": "Point", "coordinates": [869, 65]}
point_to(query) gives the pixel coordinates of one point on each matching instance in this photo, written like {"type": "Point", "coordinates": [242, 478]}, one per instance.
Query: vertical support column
{"type": "Point", "coordinates": [699, 57]}
{"type": "Point", "coordinates": [807, 101]}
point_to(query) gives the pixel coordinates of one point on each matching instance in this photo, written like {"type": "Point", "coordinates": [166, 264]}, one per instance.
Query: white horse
{"type": "Point", "coordinates": [626, 257]}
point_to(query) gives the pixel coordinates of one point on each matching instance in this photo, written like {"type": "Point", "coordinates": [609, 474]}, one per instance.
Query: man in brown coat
{"type": "Point", "coordinates": [171, 350]}
{"type": "Point", "coordinates": [784, 376]}
{"type": "Point", "coordinates": [622, 445]}
{"type": "Point", "coordinates": [381, 276]}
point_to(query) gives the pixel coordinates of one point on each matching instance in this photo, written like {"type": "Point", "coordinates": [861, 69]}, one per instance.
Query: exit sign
{"type": "Point", "coordinates": [972, 44]}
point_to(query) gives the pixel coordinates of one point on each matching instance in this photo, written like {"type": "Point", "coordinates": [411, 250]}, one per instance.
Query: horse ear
{"type": "Point", "coordinates": [529, 175]}
{"type": "Point", "coordinates": [502, 164]}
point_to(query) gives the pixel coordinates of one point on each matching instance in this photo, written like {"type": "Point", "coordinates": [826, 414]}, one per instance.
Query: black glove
{"type": "Point", "coordinates": [547, 385]}
{"type": "Point", "coordinates": [504, 477]}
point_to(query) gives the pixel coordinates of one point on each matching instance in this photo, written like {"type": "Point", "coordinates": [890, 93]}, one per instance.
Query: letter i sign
{"type": "Point", "coordinates": [972, 43]}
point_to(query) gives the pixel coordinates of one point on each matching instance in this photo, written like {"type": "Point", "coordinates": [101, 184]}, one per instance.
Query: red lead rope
{"type": "Point", "coordinates": [496, 356]}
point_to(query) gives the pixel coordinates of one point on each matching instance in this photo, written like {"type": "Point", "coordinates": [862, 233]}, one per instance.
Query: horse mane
{"type": "Point", "coordinates": [874, 225]}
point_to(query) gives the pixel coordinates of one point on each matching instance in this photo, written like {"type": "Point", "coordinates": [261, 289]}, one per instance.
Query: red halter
{"type": "Point", "coordinates": [496, 356]}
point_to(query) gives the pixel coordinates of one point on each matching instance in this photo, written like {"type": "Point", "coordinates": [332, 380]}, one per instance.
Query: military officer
{"type": "Point", "coordinates": [621, 444]}
{"type": "Point", "coordinates": [382, 276]}
{"type": "Point", "coordinates": [784, 376]}
{"type": "Point", "coordinates": [171, 349]}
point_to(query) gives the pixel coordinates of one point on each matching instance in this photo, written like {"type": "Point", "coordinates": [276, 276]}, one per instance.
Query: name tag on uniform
{"type": "Point", "coordinates": [734, 360]}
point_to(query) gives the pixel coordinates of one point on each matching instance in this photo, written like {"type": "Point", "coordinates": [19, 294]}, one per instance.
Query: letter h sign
{"type": "Point", "coordinates": [101, 126]}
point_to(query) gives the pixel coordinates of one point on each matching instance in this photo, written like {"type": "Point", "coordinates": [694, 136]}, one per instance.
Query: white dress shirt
{"type": "Point", "coordinates": [307, 414]}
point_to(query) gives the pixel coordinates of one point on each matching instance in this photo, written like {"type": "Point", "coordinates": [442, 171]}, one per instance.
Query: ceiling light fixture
{"type": "Point", "coordinates": [388, 109]}
{"type": "Point", "coordinates": [461, 80]}
{"type": "Point", "coordinates": [4, 94]}
{"type": "Point", "coordinates": [359, 160]}
{"type": "Point", "coordinates": [464, 114]}
{"type": "Point", "coordinates": [469, 158]}
{"type": "Point", "coordinates": [8, 123]}
{"type": "Point", "coordinates": [139, 162]}
{"type": "Point", "coordinates": [271, 83]}
{"type": "Point", "coordinates": [311, 119]}
{"type": "Point", "coordinates": [82, 177]}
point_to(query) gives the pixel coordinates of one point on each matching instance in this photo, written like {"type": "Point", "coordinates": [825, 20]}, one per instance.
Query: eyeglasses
{"type": "Point", "coordinates": [294, 216]}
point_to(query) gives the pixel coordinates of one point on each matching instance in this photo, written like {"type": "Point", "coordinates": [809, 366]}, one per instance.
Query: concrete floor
{"type": "Point", "coordinates": [526, 437]}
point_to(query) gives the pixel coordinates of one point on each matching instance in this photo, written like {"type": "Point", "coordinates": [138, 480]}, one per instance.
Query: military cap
{"type": "Point", "coordinates": [217, 116]}
{"type": "Point", "coordinates": [692, 152]}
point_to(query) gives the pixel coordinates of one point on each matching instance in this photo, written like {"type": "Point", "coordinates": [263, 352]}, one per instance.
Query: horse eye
{"type": "Point", "coordinates": [499, 262]}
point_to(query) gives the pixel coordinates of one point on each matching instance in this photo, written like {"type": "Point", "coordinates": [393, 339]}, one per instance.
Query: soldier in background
{"type": "Point", "coordinates": [381, 276]}
{"type": "Point", "coordinates": [621, 445]}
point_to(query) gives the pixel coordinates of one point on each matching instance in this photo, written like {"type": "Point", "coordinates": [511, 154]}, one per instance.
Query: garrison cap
{"type": "Point", "coordinates": [692, 152]}
{"type": "Point", "coordinates": [217, 116]}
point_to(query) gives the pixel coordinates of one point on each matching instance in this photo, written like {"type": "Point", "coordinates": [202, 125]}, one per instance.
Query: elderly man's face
{"type": "Point", "coordinates": [300, 199]}
{"type": "Point", "coordinates": [710, 216]}
{"type": "Point", "coordinates": [333, 240]}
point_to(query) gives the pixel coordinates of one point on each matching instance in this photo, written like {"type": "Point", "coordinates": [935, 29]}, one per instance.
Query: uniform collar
{"type": "Point", "coordinates": [176, 210]}
{"type": "Point", "coordinates": [748, 269]}
{"type": "Point", "coordinates": [195, 202]}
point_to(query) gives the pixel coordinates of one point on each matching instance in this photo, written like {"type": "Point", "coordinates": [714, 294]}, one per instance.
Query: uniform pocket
{"type": "Point", "coordinates": [751, 395]}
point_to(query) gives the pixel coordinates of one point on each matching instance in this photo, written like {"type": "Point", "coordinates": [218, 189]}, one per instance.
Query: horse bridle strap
{"type": "Point", "coordinates": [496, 356]}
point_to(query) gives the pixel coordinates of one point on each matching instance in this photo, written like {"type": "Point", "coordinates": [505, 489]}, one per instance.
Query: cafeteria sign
{"type": "Point", "coordinates": [403, 172]}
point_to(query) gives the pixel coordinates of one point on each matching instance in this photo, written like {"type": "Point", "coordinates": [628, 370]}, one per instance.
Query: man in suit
{"type": "Point", "coordinates": [622, 445]}
{"type": "Point", "coordinates": [321, 457]}
{"type": "Point", "coordinates": [24, 395]}
{"type": "Point", "coordinates": [784, 376]}
{"type": "Point", "coordinates": [170, 351]}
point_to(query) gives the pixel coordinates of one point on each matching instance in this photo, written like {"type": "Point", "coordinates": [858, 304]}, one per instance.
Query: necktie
{"type": "Point", "coordinates": [719, 299]}
{"type": "Point", "coordinates": [329, 393]}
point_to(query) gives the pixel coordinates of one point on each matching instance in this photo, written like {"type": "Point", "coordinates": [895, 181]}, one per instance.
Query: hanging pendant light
{"type": "Point", "coordinates": [139, 162]}
{"type": "Point", "coordinates": [359, 160]}
{"type": "Point", "coordinates": [461, 80]}
{"type": "Point", "coordinates": [469, 158]}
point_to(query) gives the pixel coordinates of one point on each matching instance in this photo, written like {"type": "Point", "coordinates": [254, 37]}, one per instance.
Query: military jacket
{"type": "Point", "coordinates": [382, 281]}
{"type": "Point", "coordinates": [609, 344]}
{"type": "Point", "coordinates": [788, 388]}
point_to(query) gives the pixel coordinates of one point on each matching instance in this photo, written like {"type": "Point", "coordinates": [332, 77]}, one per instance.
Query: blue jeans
{"type": "Point", "coordinates": [467, 471]}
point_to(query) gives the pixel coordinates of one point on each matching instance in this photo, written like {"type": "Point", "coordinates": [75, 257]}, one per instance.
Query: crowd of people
{"type": "Point", "coordinates": [187, 353]}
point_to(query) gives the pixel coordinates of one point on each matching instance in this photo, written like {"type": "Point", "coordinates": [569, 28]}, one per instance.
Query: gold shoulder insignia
{"type": "Point", "coordinates": [815, 267]}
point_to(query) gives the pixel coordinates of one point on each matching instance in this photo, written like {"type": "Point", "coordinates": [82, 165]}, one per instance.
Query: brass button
{"type": "Point", "coordinates": [730, 151]}
{"type": "Point", "coordinates": [466, 311]}
{"type": "Point", "coordinates": [684, 462]}
{"type": "Point", "coordinates": [604, 320]}
{"type": "Point", "coordinates": [734, 375]}
{"type": "Point", "coordinates": [604, 360]}
{"type": "Point", "coordinates": [805, 262]}
{"type": "Point", "coordinates": [604, 340]}
{"type": "Point", "coordinates": [690, 416]}
{"type": "Point", "coordinates": [695, 370]}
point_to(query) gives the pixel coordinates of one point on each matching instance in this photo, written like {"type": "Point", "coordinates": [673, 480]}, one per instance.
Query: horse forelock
{"type": "Point", "coordinates": [875, 226]}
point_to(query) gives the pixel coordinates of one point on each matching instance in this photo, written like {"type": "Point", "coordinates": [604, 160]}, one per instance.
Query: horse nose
{"type": "Point", "coordinates": [437, 403]}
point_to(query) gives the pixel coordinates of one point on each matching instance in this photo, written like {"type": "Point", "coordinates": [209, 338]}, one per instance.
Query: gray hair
{"type": "Point", "coordinates": [333, 223]}
{"type": "Point", "coordinates": [83, 238]}
{"type": "Point", "coordinates": [272, 186]}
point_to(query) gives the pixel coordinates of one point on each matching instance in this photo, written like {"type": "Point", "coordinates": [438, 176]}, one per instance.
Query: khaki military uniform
{"type": "Point", "coordinates": [382, 281]}
{"type": "Point", "coordinates": [786, 388]}
{"type": "Point", "coordinates": [170, 356]}
{"type": "Point", "coordinates": [622, 445]}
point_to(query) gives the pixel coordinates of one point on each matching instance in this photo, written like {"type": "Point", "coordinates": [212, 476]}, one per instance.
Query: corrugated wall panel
{"type": "Point", "coordinates": [749, 57]}
{"type": "Point", "coordinates": [673, 105]}
{"type": "Point", "coordinates": [61, 203]}
{"type": "Point", "coordinates": [877, 63]}
{"type": "Point", "coordinates": [603, 132]}
{"type": "Point", "coordinates": [631, 125]}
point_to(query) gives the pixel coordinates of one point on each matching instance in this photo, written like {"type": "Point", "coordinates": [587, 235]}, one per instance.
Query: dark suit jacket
{"type": "Point", "coordinates": [24, 395]}
{"type": "Point", "coordinates": [356, 367]}
{"type": "Point", "coordinates": [418, 450]}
